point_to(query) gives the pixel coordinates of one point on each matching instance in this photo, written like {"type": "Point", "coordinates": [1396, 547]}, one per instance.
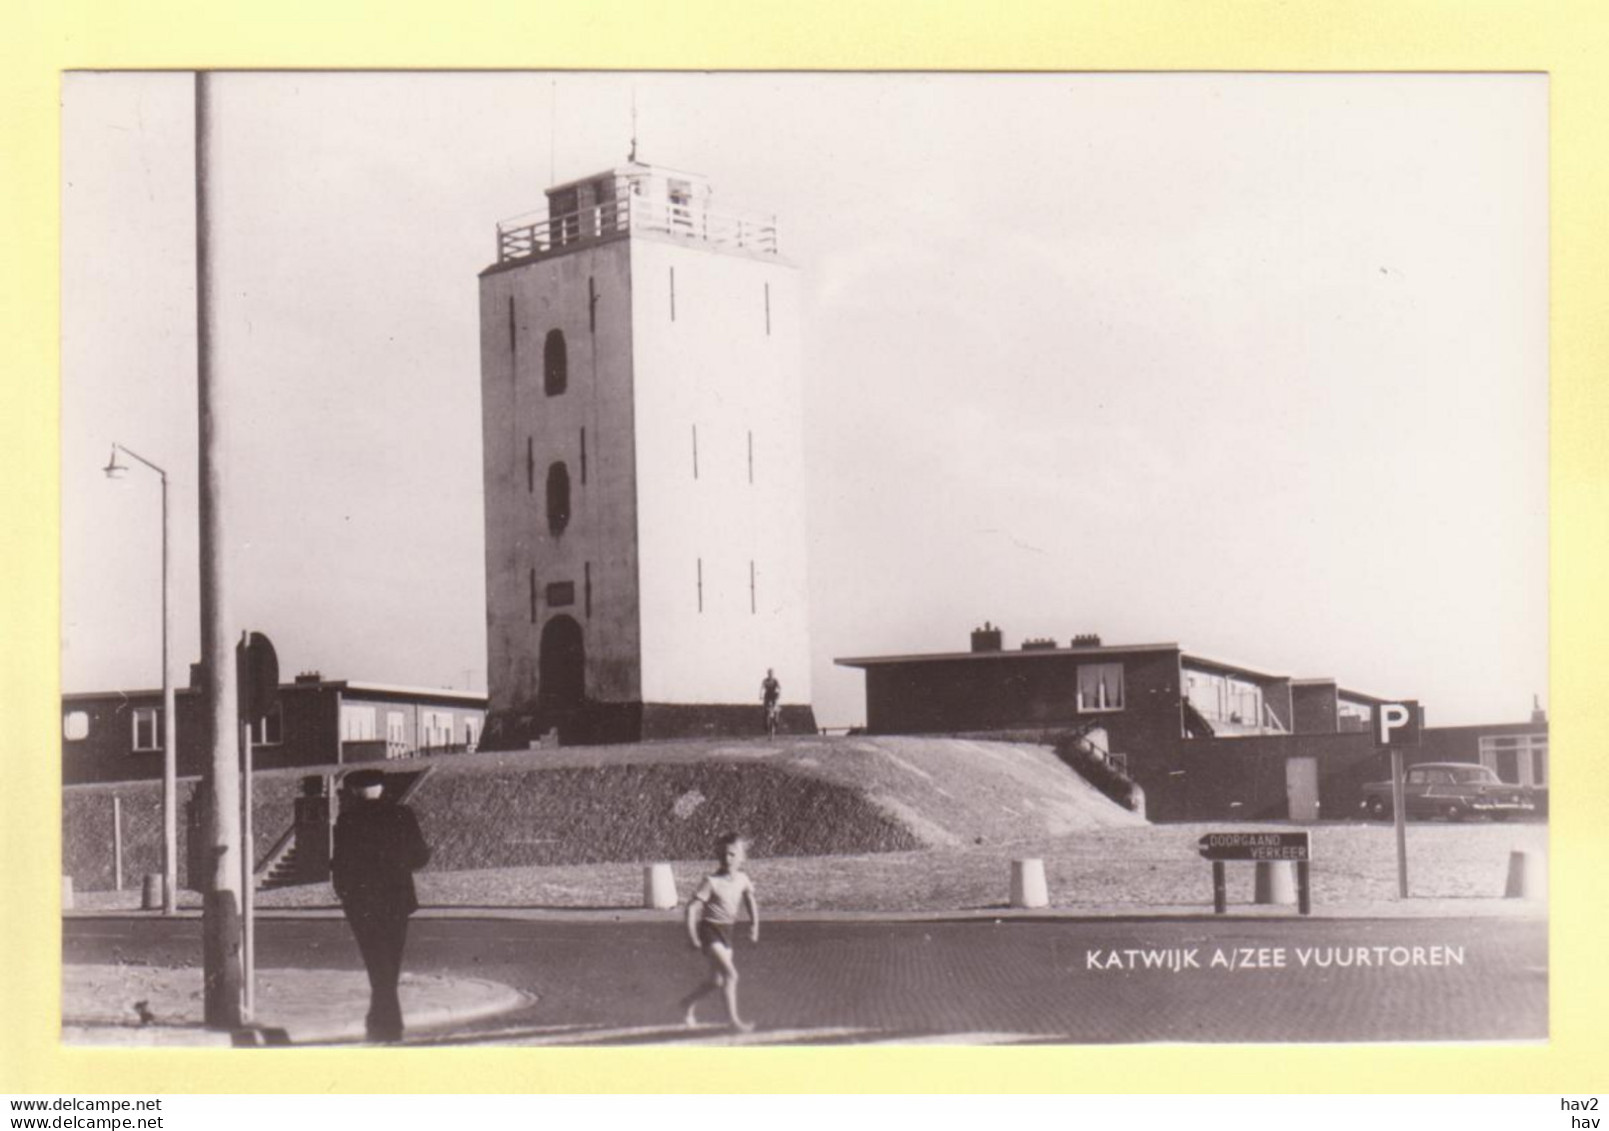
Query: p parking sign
{"type": "Point", "coordinates": [1396, 724]}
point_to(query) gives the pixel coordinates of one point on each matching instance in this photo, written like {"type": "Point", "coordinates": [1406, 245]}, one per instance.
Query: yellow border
{"type": "Point", "coordinates": [1565, 39]}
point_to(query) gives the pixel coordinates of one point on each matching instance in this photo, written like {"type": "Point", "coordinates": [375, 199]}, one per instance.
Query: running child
{"type": "Point", "coordinates": [711, 919]}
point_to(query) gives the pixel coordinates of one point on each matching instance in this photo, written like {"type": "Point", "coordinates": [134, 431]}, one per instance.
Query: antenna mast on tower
{"type": "Point", "coordinates": [632, 156]}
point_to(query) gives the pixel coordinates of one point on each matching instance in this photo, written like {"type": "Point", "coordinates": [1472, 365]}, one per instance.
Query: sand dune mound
{"type": "Point", "coordinates": [793, 797]}
{"type": "Point", "coordinates": [816, 796]}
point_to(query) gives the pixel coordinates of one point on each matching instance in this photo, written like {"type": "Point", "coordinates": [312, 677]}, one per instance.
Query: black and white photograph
{"type": "Point", "coordinates": [726, 559]}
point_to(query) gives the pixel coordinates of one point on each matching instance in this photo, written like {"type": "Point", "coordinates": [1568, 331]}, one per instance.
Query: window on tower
{"type": "Point", "coordinates": [555, 364]}
{"type": "Point", "coordinates": [558, 498]}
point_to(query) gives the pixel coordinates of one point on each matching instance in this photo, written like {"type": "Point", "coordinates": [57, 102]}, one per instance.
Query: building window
{"type": "Point", "coordinates": [513, 340]}
{"type": "Point", "coordinates": [560, 594]}
{"type": "Point", "coordinates": [751, 457]}
{"type": "Point", "coordinates": [768, 310]}
{"type": "Point", "coordinates": [1519, 759]}
{"type": "Point", "coordinates": [592, 306]}
{"type": "Point", "coordinates": [533, 596]}
{"type": "Point", "coordinates": [435, 728]}
{"type": "Point", "coordinates": [1228, 701]}
{"type": "Point", "coordinates": [530, 465]}
{"type": "Point", "coordinates": [471, 738]}
{"type": "Point", "coordinates": [673, 294]}
{"type": "Point", "coordinates": [396, 727]}
{"type": "Point", "coordinates": [1100, 687]}
{"type": "Point", "coordinates": [583, 457]}
{"type": "Point", "coordinates": [558, 498]}
{"type": "Point", "coordinates": [270, 729]}
{"type": "Point", "coordinates": [681, 202]}
{"type": "Point", "coordinates": [555, 364]}
{"type": "Point", "coordinates": [695, 451]}
{"type": "Point", "coordinates": [147, 729]}
{"type": "Point", "coordinates": [587, 585]}
{"type": "Point", "coordinates": [357, 723]}
{"type": "Point", "coordinates": [700, 584]}
{"type": "Point", "coordinates": [75, 726]}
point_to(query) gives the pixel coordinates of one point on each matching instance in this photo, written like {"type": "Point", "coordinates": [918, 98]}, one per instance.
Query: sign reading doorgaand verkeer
{"type": "Point", "coordinates": [1254, 846]}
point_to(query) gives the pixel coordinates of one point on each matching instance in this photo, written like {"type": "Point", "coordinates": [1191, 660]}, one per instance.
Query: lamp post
{"type": "Point", "coordinates": [170, 832]}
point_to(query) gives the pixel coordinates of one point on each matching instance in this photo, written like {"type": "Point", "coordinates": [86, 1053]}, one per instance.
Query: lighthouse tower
{"type": "Point", "coordinates": [644, 468]}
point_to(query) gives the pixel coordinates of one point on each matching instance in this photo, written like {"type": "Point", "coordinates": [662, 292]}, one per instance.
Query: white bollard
{"type": "Point", "coordinates": [658, 887]}
{"type": "Point", "coordinates": [1527, 876]}
{"type": "Point", "coordinates": [66, 893]}
{"type": "Point", "coordinates": [1028, 884]}
{"type": "Point", "coordinates": [1275, 882]}
{"type": "Point", "coordinates": [151, 893]}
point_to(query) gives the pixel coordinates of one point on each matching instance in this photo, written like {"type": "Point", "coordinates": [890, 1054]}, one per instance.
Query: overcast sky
{"type": "Point", "coordinates": [1256, 364]}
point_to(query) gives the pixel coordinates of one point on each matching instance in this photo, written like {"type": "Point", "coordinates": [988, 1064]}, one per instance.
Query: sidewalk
{"type": "Point", "coordinates": [145, 1006]}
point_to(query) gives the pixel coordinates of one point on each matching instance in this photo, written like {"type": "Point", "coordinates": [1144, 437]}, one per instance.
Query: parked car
{"type": "Point", "coordinates": [1454, 790]}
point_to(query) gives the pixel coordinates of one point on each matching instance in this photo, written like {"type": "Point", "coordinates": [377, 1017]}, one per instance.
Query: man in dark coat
{"type": "Point", "coordinates": [378, 847]}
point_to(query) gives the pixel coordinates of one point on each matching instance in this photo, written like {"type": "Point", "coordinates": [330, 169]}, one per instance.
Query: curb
{"type": "Point", "coordinates": [1478, 908]}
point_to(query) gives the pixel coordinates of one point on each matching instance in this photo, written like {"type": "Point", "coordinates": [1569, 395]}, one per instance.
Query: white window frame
{"type": "Point", "coordinates": [435, 728]}
{"type": "Point", "coordinates": [270, 729]}
{"type": "Point", "coordinates": [1526, 747]}
{"type": "Point", "coordinates": [152, 717]}
{"type": "Point", "coordinates": [357, 722]}
{"type": "Point", "coordinates": [1106, 699]}
{"type": "Point", "coordinates": [75, 726]}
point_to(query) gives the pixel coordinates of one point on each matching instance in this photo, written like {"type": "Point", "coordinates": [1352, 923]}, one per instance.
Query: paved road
{"type": "Point", "coordinates": [976, 981]}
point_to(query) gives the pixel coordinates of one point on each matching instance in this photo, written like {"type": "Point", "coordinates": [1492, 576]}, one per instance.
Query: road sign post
{"type": "Point", "coordinates": [1257, 847]}
{"type": "Point", "coordinates": [257, 668]}
{"type": "Point", "coordinates": [1396, 726]}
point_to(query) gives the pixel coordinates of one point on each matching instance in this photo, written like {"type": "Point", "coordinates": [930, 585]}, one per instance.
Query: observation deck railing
{"type": "Point", "coordinates": [536, 236]}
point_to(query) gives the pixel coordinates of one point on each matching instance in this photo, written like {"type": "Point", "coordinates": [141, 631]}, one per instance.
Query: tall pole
{"type": "Point", "coordinates": [170, 723]}
{"type": "Point", "coordinates": [170, 720]}
{"type": "Point", "coordinates": [220, 924]}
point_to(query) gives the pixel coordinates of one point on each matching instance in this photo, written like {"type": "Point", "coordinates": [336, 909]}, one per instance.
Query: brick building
{"type": "Point", "coordinates": [117, 735]}
{"type": "Point", "coordinates": [1205, 738]}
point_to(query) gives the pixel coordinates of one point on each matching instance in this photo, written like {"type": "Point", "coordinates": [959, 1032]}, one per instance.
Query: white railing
{"type": "Point", "coordinates": [534, 236]}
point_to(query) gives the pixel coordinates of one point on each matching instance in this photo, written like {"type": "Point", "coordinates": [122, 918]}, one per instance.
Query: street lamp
{"type": "Point", "coordinates": [170, 829]}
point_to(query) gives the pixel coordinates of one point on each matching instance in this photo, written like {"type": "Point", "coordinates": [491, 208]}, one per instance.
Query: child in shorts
{"type": "Point", "coordinates": [711, 919]}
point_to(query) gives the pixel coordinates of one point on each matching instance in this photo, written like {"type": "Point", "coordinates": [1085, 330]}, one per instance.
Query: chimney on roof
{"type": "Point", "coordinates": [1086, 640]}
{"type": "Point", "coordinates": [1039, 644]}
{"type": "Point", "coordinates": [1538, 715]}
{"type": "Point", "coordinates": [986, 639]}
{"type": "Point", "coordinates": [309, 677]}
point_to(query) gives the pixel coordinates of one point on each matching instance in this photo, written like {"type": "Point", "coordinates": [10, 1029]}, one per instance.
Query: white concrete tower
{"type": "Point", "coordinates": [644, 467]}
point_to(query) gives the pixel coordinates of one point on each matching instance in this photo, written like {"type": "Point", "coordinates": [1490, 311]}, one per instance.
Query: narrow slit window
{"type": "Point", "coordinates": [751, 457]}
{"type": "Point", "coordinates": [555, 364]}
{"type": "Point", "coordinates": [513, 339]}
{"type": "Point", "coordinates": [530, 465]}
{"type": "Point", "coordinates": [558, 498]}
{"type": "Point", "coordinates": [768, 310]}
{"type": "Point", "coordinates": [533, 596]}
{"type": "Point", "coordinates": [695, 451]}
{"type": "Point", "coordinates": [592, 305]}
{"type": "Point", "coordinates": [673, 294]}
{"type": "Point", "coordinates": [700, 584]}
{"type": "Point", "coordinates": [586, 586]}
{"type": "Point", "coordinates": [583, 457]}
